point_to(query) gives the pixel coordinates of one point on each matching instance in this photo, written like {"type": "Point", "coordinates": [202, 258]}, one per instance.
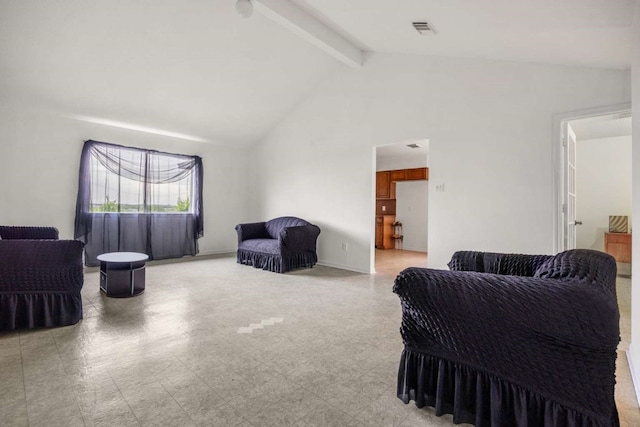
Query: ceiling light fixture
{"type": "Point", "coordinates": [244, 8]}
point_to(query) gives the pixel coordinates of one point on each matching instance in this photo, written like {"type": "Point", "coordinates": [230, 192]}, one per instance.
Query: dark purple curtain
{"type": "Point", "coordinates": [137, 200]}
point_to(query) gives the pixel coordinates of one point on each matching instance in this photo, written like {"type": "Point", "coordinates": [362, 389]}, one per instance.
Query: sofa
{"type": "Point", "coordinates": [279, 245]}
{"type": "Point", "coordinates": [41, 278]}
{"type": "Point", "coordinates": [512, 340]}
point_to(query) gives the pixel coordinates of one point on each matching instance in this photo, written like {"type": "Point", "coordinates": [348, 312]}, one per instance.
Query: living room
{"type": "Point", "coordinates": [283, 128]}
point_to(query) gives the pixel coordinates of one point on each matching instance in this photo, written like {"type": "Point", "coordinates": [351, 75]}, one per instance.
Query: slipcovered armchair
{"type": "Point", "coordinates": [278, 245]}
{"type": "Point", "coordinates": [41, 278]}
{"type": "Point", "coordinates": [512, 340]}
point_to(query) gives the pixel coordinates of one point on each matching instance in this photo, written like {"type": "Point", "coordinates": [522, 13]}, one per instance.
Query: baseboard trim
{"type": "Point", "coordinates": [635, 375]}
{"type": "Point", "coordinates": [211, 253]}
{"type": "Point", "coordinates": [342, 267]}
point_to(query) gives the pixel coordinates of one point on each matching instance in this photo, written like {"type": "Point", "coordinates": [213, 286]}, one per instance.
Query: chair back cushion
{"type": "Point", "coordinates": [28, 232]}
{"type": "Point", "coordinates": [275, 226]}
{"type": "Point", "coordinates": [581, 264]}
{"type": "Point", "coordinates": [496, 263]}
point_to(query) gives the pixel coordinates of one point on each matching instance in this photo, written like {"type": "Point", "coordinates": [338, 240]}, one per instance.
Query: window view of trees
{"type": "Point", "coordinates": [113, 206]}
{"type": "Point", "coordinates": [139, 192]}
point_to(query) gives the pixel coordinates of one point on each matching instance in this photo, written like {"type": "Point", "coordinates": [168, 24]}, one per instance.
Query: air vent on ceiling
{"type": "Point", "coordinates": [413, 145]}
{"type": "Point", "coordinates": [425, 28]}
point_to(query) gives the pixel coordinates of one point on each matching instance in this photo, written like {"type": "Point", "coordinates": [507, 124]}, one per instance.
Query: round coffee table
{"type": "Point", "coordinates": [122, 273]}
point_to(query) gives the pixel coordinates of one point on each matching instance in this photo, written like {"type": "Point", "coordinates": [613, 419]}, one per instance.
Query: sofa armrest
{"type": "Point", "coordinates": [41, 265]}
{"type": "Point", "coordinates": [299, 238]}
{"type": "Point", "coordinates": [537, 307]}
{"type": "Point", "coordinates": [254, 230]}
{"type": "Point", "coordinates": [19, 232]}
{"type": "Point", "coordinates": [497, 263]}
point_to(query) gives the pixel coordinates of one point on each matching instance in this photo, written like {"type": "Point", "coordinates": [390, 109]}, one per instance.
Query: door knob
{"type": "Point", "coordinates": [577, 222]}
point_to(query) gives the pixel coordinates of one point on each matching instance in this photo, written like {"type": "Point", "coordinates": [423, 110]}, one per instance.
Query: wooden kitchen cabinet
{"type": "Point", "coordinates": [383, 184]}
{"type": "Point", "coordinates": [386, 180]}
{"type": "Point", "coordinates": [384, 231]}
{"type": "Point", "coordinates": [398, 175]}
{"type": "Point", "coordinates": [618, 245]}
{"type": "Point", "coordinates": [379, 232]}
{"type": "Point", "coordinates": [386, 194]}
{"type": "Point", "coordinates": [416, 174]}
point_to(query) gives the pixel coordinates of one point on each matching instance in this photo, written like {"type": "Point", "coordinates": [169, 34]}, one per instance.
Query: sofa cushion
{"type": "Point", "coordinates": [265, 246]}
{"type": "Point", "coordinates": [580, 264]}
{"type": "Point", "coordinates": [275, 226]}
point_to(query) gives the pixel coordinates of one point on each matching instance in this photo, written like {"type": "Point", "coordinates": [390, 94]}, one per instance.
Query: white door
{"type": "Point", "coordinates": [569, 207]}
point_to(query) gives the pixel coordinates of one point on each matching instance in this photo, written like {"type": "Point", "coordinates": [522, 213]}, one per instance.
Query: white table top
{"type": "Point", "coordinates": [123, 257]}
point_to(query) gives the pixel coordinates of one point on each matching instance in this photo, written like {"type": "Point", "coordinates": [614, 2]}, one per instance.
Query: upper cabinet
{"type": "Point", "coordinates": [399, 175]}
{"type": "Point", "coordinates": [386, 180]}
{"type": "Point", "coordinates": [383, 183]}
{"type": "Point", "coordinates": [417, 174]}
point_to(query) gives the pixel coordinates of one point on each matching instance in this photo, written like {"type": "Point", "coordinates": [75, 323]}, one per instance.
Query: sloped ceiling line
{"type": "Point", "coordinates": [311, 29]}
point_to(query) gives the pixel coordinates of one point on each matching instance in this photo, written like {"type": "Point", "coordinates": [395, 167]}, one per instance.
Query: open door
{"type": "Point", "coordinates": [569, 206]}
{"type": "Point", "coordinates": [565, 152]}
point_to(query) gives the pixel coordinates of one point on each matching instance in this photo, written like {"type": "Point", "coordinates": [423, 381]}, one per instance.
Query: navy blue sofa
{"type": "Point", "coordinates": [40, 278]}
{"type": "Point", "coordinates": [279, 245]}
{"type": "Point", "coordinates": [512, 340]}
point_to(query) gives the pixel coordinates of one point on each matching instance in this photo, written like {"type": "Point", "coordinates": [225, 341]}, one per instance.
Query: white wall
{"type": "Point", "coordinates": [603, 187]}
{"type": "Point", "coordinates": [411, 210]}
{"type": "Point", "coordinates": [634, 348]}
{"type": "Point", "coordinates": [39, 161]}
{"type": "Point", "coordinates": [490, 126]}
{"type": "Point", "coordinates": [404, 162]}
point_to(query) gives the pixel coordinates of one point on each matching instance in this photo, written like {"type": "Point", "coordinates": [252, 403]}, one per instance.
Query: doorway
{"type": "Point", "coordinates": [401, 207]}
{"type": "Point", "coordinates": [595, 176]}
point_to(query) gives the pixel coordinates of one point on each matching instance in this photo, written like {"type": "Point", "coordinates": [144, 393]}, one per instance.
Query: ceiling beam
{"type": "Point", "coordinates": [311, 29]}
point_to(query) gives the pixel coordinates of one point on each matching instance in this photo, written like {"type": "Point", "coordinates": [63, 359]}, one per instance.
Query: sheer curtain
{"type": "Point", "coordinates": [135, 200]}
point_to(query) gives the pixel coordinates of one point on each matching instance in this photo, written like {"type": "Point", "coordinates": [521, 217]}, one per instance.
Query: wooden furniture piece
{"type": "Point", "coordinates": [386, 180]}
{"type": "Point", "coordinates": [618, 245]}
{"type": "Point", "coordinates": [384, 231]}
{"type": "Point", "coordinates": [383, 185]}
{"type": "Point", "coordinates": [122, 273]}
{"type": "Point", "coordinates": [386, 236]}
{"type": "Point", "coordinates": [397, 235]}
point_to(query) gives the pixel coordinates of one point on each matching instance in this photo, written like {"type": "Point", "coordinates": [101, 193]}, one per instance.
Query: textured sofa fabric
{"type": "Point", "coordinates": [278, 245]}
{"type": "Point", "coordinates": [512, 340]}
{"type": "Point", "coordinates": [40, 280]}
{"type": "Point", "coordinates": [17, 232]}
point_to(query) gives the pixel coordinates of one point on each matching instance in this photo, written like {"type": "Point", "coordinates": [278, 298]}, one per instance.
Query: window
{"type": "Point", "coordinates": [127, 180]}
{"type": "Point", "coordinates": [137, 200]}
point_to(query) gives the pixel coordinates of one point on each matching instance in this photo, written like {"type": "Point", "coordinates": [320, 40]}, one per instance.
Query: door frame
{"type": "Point", "coordinates": [559, 162]}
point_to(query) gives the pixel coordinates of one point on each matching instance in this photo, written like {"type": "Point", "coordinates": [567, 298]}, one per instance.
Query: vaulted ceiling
{"type": "Point", "coordinates": [198, 68]}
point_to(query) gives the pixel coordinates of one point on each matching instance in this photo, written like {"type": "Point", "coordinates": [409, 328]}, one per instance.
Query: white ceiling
{"type": "Point", "coordinates": [592, 33]}
{"type": "Point", "coordinates": [196, 67]}
{"type": "Point", "coordinates": [403, 151]}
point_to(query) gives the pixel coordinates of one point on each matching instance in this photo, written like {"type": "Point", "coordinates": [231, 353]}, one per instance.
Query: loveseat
{"type": "Point", "coordinates": [40, 278]}
{"type": "Point", "coordinates": [512, 340]}
{"type": "Point", "coordinates": [279, 245]}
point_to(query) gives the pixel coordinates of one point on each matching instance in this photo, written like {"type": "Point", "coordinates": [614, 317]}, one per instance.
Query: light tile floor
{"type": "Point", "coordinates": [174, 355]}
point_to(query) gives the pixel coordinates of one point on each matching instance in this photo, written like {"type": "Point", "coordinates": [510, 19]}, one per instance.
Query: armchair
{"type": "Point", "coordinates": [41, 278]}
{"type": "Point", "coordinates": [512, 340]}
{"type": "Point", "coordinates": [278, 245]}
